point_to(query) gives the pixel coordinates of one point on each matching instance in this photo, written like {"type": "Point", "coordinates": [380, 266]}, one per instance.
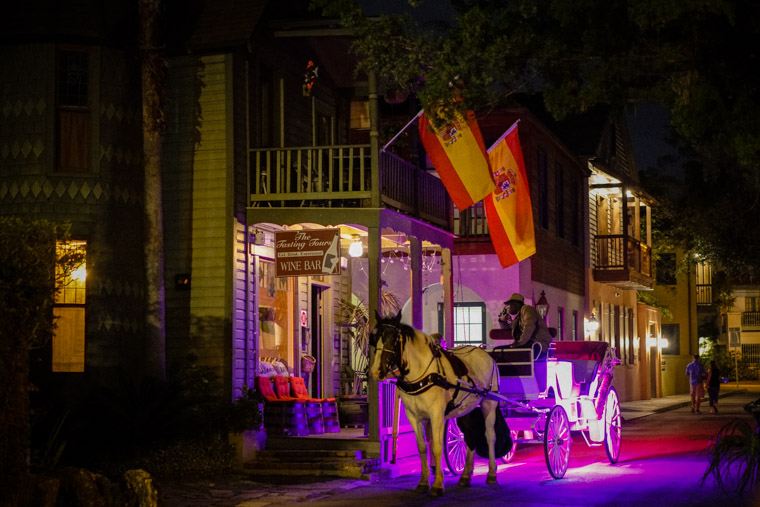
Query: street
{"type": "Point", "coordinates": [662, 462]}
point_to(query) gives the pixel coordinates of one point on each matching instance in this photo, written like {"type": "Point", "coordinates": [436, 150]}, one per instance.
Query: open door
{"type": "Point", "coordinates": [315, 381]}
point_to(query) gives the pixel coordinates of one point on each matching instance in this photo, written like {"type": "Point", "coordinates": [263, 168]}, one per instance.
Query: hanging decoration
{"type": "Point", "coordinates": [309, 78]}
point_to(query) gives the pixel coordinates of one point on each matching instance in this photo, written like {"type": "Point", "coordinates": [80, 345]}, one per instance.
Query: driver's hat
{"type": "Point", "coordinates": [516, 298]}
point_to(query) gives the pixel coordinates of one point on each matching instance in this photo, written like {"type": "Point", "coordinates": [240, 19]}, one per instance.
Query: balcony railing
{"type": "Point", "coordinates": [319, 172]}
{"type": "Point", "coordinates": [341, 176]}
{"type": "Point", "coordinates": [620, 258]}
{"type": "Point", "coordinates": [413, 191]}
{"type": "Point", "coordinates": [751, 319]}
{"type": "Point", "coordinates": [704, 294]}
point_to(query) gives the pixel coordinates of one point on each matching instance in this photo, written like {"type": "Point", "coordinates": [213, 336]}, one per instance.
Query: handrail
{"type": "Point", "coordinates": [340, 176]}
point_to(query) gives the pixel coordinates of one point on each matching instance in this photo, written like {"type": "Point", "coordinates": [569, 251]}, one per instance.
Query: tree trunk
{"type": "Point", "coordinates": [14, 424]}
{"type": "Point", "coordinates": [153, 73]}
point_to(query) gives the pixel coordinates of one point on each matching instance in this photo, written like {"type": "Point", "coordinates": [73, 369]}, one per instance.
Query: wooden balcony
{"type": "Point", "coordinates": [623, 261]}
{"type": "Point", "coordinates": [341, 177]}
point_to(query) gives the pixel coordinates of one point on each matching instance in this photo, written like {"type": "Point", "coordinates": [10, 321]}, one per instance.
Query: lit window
{"type": "Point", "coordinates": [68, 337]}
{"type": "Point", "coordinates": [469, 323]}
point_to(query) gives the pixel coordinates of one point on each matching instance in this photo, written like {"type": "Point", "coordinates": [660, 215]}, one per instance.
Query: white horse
{"type": "Point", "coordinates": [426, 380]}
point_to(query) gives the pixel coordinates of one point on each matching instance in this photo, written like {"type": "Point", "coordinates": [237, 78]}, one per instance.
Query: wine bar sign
{"type": "Point", "coordinates": [307, 252]}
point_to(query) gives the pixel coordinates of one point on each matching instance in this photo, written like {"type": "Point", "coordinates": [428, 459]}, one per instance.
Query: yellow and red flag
{"type": "Point", "coordinates": [458, 153]}
{"type": "Point", "coordinates": [508, 208]}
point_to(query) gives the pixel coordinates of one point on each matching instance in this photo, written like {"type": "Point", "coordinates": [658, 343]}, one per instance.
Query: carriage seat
{"type": "Point", "coordinates": [520, 376]}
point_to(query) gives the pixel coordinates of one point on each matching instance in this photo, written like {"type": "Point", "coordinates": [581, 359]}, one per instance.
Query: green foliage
{"type": "Point", "coordinates": [27, 279]}
{"type": "Point", "coordinates": [27, 293]}
{"type": "Point", "coordinates": [729, 365]}
{"type": "Point", "coordinates": [245, 413]}
{"type": "Point", "coordinates": [735, 457]}
{"type": "Point", "coordinates": [648, 298]}
{"type": "Point", "coordinates": [134, 417]}
{"type": "Point", "coordinates": [693, 58]}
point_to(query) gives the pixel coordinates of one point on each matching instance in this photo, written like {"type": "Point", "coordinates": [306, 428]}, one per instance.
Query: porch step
{"type": "Point", "coordinates": [347, 464]}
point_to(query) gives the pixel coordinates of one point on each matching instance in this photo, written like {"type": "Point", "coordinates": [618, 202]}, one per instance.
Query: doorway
{"type": "Point", "coordinates": [315, 380]}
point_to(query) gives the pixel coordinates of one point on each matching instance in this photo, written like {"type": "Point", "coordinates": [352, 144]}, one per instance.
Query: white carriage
{"type": "Point", "coordinates": [543, 401]}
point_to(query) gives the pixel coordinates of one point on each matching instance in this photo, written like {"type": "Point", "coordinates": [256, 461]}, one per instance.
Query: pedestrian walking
{"type": "Point", "coordinates": [713, 386]}
{"type": "Point", "coordinates": [697, 374]}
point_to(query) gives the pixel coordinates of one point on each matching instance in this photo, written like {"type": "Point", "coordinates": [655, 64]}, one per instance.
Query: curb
{"type": "Point", "coordinates": [676, 405]}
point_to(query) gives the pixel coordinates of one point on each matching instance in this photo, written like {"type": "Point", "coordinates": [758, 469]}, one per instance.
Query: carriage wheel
{"type": "Point", "coordinates": [557, 441]}
{"type": "Point", "coordinates": [455, 449]}
{"type": "Point", "coordinates": [507, 458]}
{"type": "Point", "coordinates": [612, 426]}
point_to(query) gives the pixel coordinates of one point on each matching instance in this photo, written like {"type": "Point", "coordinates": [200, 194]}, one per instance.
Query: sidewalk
{"type": "Point", "coordinates": [630, 410]}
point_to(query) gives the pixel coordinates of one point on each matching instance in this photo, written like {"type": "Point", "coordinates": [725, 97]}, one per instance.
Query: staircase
{"type": "Point", "coordinates": [316, 462]}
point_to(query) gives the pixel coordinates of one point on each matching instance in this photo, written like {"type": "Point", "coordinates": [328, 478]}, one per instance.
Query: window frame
{"type": "Point", "coordinates": [74, 120]}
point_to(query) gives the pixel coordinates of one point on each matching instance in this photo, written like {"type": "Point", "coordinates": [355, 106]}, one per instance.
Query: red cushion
{"type": "Point", "coordinates": [282, 388]}
{"type": "Point", "coordinates": [299, 388]}
{"type": "Point", "coordinates": [301, 393]}
{"type": "Point", "coordinates": [264, 386]}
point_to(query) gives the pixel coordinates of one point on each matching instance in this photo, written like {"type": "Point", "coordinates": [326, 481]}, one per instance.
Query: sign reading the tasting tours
{"type": "Point", "coordinates": [307, 252]}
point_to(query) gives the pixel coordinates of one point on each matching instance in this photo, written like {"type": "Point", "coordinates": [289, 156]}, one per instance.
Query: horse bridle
{"type": "Point", "coordinates": [426, 380]}
{"type": "Point", "coordinates": [391, 357]}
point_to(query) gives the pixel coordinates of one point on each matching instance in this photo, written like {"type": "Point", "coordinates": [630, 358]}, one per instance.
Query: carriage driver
{"type": "Point", "coordinates": [527, 326]}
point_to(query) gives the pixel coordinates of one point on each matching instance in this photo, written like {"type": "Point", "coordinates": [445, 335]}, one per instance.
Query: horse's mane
{"type": "Point", "coordinates": [407, 332]}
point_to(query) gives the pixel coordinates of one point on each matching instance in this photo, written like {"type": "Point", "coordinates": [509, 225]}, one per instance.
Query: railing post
{"type": "Point", "coordinates": [373, 141]}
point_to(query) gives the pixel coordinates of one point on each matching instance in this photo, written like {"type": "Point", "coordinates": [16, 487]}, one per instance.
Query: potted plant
{"type": "Point", "coordinates": [245, 424]}
{"type": "Point", "coordinates": [354, 316]}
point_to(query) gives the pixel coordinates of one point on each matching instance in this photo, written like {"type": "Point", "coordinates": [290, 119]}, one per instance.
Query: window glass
{"type": "Point", "coordinates": [666, 269]}
{"type": "Point", "coordinates": [469, 323]}
{"type": "Point", "coordinates": [672, 333]}
{"type": "Point", "coordinates": [72, 78]}
{"type": "Point", "coordinates": [73, 128]}
{"type": "Point", "coordinates": [69, 311]}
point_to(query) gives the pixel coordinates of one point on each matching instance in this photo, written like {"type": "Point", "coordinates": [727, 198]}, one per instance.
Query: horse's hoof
{"type": "Point", "coordinates": [464, 482]}
{"type": "Point", "coordinates": [436, 491]}
{"type": "Point", "coordinates": [421, 488]}
{"type": "Point", "coordinates": [491, 479]}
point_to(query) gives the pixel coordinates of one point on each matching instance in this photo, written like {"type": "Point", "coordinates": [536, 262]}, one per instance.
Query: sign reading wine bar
{"type": "Point", "coordinates": [307, 252]}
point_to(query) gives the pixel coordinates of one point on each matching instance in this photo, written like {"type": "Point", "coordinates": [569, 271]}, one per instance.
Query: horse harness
{"type": "Point", "coordinates": [428, 380]}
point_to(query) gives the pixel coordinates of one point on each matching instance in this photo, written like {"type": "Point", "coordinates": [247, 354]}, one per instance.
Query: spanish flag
{"type": "Point", "coordinates": [458, 153]}
{"type": "Point", "coordinates": [508, 209]}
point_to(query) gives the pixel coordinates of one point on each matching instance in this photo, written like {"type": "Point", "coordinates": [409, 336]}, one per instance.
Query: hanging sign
{"type": "Point", "coordinates": [304, 319]}
{"type": "Point", "coordinates": [307, 252]}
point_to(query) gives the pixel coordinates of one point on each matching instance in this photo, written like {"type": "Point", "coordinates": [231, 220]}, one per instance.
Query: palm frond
{"type": "Point", "coordinates": [734, 457]}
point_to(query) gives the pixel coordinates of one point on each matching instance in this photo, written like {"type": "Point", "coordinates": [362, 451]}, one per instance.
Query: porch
{"type": "Point", "coordinates": [343, 177]}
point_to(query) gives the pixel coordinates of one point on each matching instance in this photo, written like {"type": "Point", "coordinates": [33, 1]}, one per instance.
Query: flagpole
{"type": "Point", "coordinates": [403, 129]}
{"type": "Point", "coordinates": [505, 134]}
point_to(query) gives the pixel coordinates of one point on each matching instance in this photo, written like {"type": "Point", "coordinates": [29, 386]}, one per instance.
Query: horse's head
{"type": "Point", "coordinates": [384, 344]}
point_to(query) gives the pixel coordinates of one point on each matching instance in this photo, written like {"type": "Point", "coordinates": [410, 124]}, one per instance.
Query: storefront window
{"type": "Point", "coordinates": [275, 315]}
